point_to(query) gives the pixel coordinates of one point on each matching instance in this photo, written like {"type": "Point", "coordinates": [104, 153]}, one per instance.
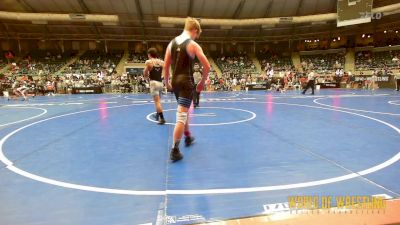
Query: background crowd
{"type": "Point", "coordinates": [53, 70]}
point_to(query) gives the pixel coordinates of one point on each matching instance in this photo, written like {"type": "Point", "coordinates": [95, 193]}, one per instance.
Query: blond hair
{"type": "Point", "coordinates": [192, 24]}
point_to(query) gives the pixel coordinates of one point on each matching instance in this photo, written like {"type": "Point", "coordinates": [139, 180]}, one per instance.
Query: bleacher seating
{"type": "Point", "coordinates": [323, 63]}
{"type": "Point", "coordinates": [137, 57]}
{"type": "Point", "coordinates": [368, 60]}
{"type": "Point", "coordinates": [278, 62]}
{"type": "Point", "coordinates": [235, 65]}
{"type": "Point", "coordinates": [3, 59]}
{"type": "Point", "coordinates": [41, 62]}
{"type": "Point", "coordinates": [93, 61]}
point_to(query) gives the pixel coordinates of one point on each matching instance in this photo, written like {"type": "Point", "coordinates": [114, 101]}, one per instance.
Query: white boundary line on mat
{"type": "Point", "coordinates": [394, 102]}
{"type": "Point", "coordinates": [351, 109]}
{"type": "Point", "coordinates": [253, 116]}
{"type": "Point", "coordinates": [9, 165]}
{"type": "Point", "coordinates": [44, 111]}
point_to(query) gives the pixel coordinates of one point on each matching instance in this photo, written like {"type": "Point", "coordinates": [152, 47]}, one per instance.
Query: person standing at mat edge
{"type": "Point", "coordinates": [310, 83]}
{"type": "Point", "coordinates": [153, 70]}
{"type": "Point", "coordinates": [197, 75]}
{"type": "Point", "coordinates": [397, 78]}
{"type": "Point", "coordinates": [179, 56]}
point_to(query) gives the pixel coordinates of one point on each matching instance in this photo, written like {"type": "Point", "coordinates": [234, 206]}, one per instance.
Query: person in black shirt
{"type": "Point", "coordinates": [153, 72]}
{"type": "Point", "coordinates": [310, 83]}
{"type": "Point", "coordinates": [179, 55]}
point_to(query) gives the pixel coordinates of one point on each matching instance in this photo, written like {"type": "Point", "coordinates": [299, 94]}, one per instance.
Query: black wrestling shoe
{"type": "Point", "coordinates": [161, 121]}
{"type": "Point", "coordinates": [189, 141]}
{"type": "Point", "coordinates": [175, 155]}
{"type": "Point", "coordinates": [155, 116]}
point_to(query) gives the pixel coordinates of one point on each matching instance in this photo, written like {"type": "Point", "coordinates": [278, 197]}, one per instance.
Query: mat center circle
{"type": "Point", "coordinates": [209, 116]}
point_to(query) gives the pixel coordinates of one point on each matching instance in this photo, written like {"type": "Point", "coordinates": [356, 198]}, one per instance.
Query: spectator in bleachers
{"type": "Point", "coordinates": [277, 61]}
{"type": "Point", "coordinates": [137, 57]}
{"type": "Point", "coordinates": [367, 60]}
{"type": "Point", "coordinates": [234, 66]}
{"type": "Point", "coordinates": [323, 64]}
{"type": "Point", "coordinates": [93, 61]}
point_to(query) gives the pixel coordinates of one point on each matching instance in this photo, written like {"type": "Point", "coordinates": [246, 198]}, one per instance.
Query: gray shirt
{"type": "Point", "coordinates": [197, 77]}
{"type": "Point", "coordinates": [311, 76]}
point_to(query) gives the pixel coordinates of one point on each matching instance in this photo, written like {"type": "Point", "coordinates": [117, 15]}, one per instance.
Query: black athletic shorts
{"type": "Point", "coordinates": [183, 88]}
